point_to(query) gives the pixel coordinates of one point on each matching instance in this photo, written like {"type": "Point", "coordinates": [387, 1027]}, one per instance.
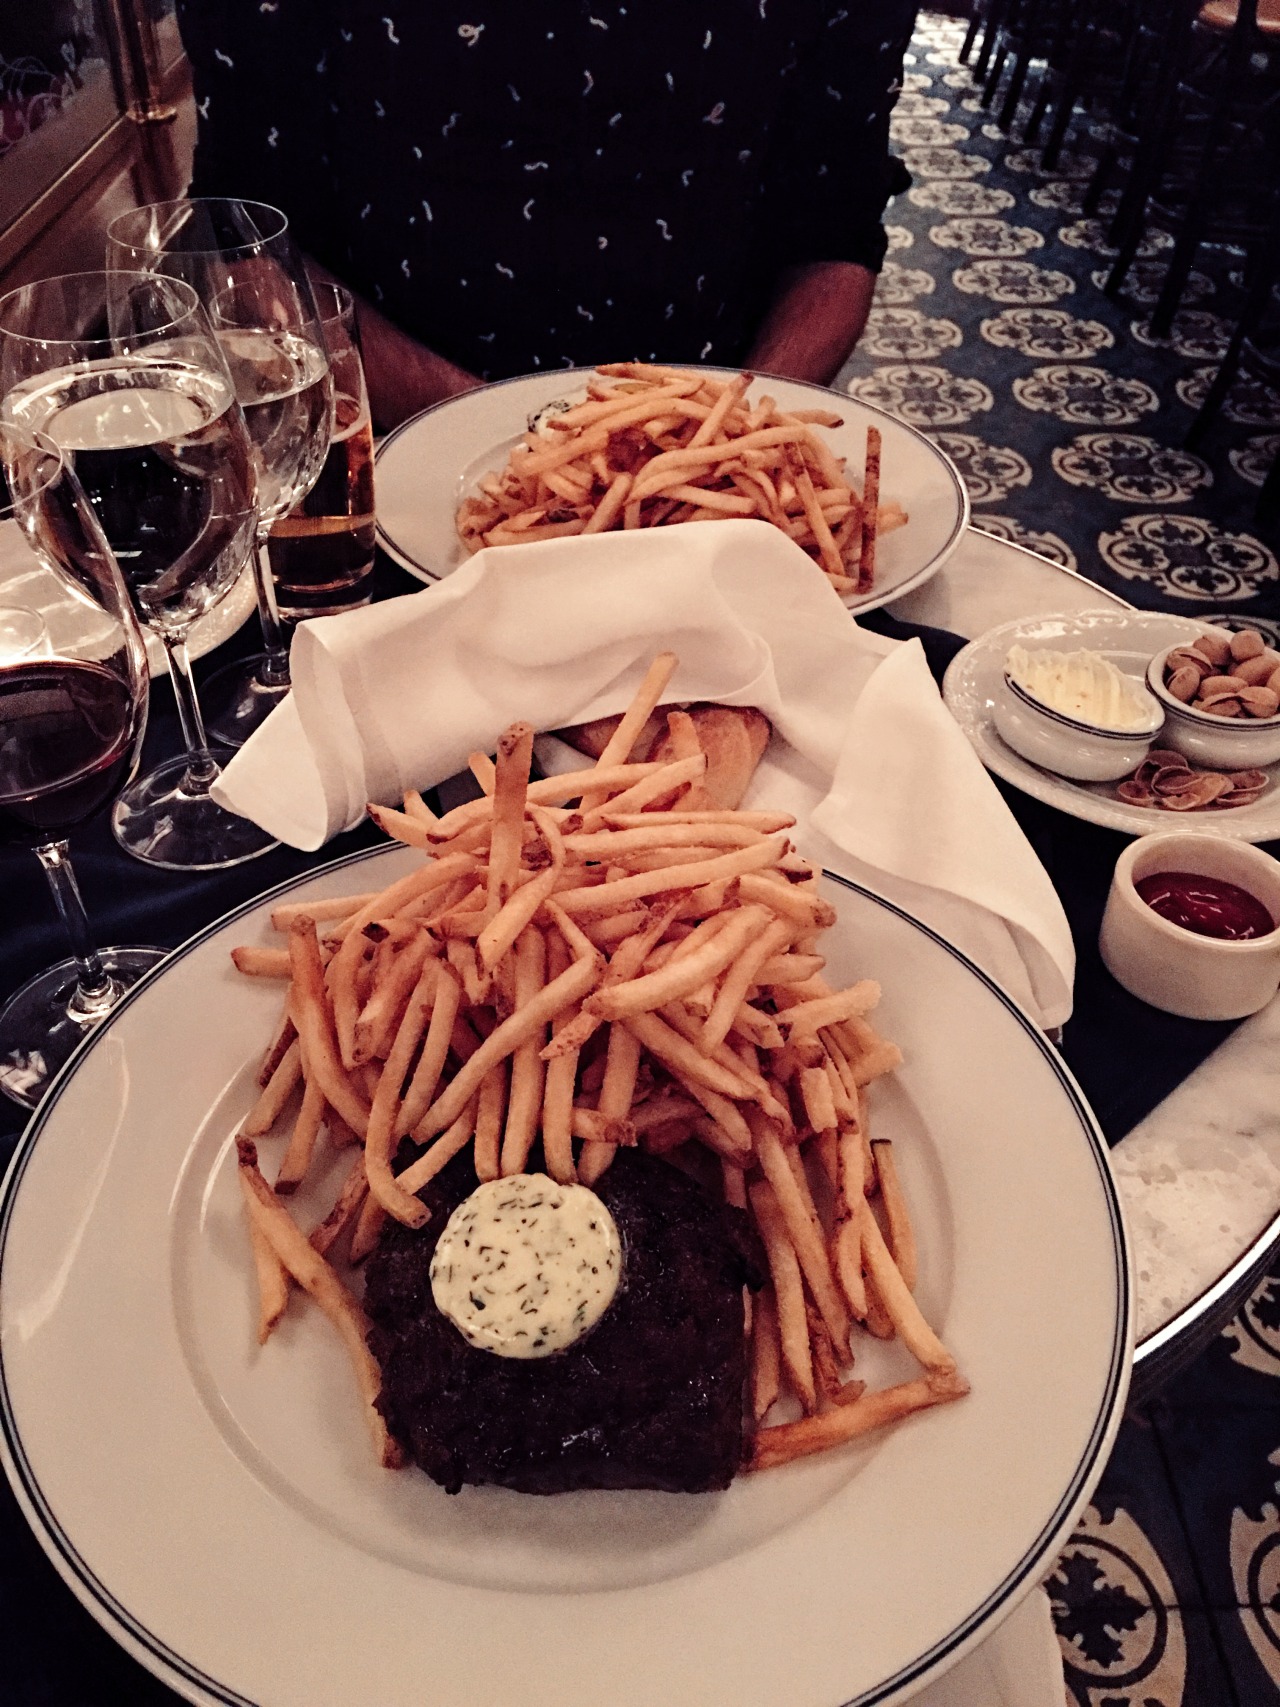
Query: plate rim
{"type": "Point", "coordinates": [852, 603]}
{"type": "Point", "coordinates": [158, 1657]}
{"type": "Point", "coordinates": [1075, 800]}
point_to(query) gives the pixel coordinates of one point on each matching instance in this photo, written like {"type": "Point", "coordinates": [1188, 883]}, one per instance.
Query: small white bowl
{"type": "Point", "coordinates": [1177, 970]}
{"type": "Point", "coordinates": [1085, 752]}
{"type": "Point", "coordinates": [1220, 743]}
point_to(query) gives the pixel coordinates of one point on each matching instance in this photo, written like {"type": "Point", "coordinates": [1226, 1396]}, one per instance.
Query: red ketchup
{"type": "Point", "coordinates": [1206, 905]}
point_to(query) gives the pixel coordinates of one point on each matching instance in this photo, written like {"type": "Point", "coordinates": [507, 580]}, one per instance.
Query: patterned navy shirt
{"type": "Point", "coordinates": [526, 184]}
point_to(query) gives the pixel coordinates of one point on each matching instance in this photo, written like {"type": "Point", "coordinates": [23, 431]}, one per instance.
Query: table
{"type": "Point", "coordinates": [1199, 1176]}
{"type": "Point", "coordinates": [1202, 1202]}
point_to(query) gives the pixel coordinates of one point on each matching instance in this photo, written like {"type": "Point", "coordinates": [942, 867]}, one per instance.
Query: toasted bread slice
{"type": "Point", "coordinates": [733, 737]}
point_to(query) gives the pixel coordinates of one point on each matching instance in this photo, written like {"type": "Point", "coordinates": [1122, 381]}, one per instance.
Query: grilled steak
{"type": "Point", "coordinates": [650, 1398]}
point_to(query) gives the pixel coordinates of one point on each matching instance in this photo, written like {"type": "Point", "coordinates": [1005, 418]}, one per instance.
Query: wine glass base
{"type": "Point", "coordinates": [236, 703]}
{"type": "Point", "coordinates": [38, 1030]}
{"type": "Point", "coordinates": [159, 822]}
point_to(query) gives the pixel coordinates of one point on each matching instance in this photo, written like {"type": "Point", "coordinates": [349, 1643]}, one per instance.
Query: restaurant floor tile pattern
{"type": "Point", "coordinates": [1066, 418]}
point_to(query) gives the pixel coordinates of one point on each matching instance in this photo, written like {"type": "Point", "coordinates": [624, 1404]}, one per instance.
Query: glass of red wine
{"type": "Point", "coordinates": [73, 707]}
{"type": "Point", "coordinates": [125, 374]}
{"type": "Point", "coordinates": [247, 271]}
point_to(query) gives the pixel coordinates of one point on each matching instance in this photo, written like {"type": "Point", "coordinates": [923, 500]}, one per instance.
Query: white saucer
{"type": "Point", "coordinates": [969, 689]}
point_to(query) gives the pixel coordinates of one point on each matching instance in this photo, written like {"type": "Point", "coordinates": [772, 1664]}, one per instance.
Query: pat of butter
{"type": "Point", "coordinates": [525, 1266]}
{"type": "Point", "coordinates": [1083, 685]}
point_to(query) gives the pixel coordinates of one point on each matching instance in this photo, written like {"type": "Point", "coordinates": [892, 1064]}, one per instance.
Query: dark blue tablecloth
{"type": "Point", "coordinates": [1125, 1054]}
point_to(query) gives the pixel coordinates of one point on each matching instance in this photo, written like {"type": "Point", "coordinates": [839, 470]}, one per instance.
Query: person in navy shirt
{"type": "Point", "coordinates": [514, 187]}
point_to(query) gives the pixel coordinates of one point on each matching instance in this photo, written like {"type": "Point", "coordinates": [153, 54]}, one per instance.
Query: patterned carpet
{"type": "Point", "coordinates": [1066, 419]}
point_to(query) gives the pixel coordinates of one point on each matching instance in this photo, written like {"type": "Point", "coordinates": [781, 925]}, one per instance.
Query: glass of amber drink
{"type": "Point", "coordinates": [322, 551]}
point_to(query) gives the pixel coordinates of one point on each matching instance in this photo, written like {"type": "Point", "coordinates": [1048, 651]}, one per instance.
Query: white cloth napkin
{"type": "Point", "coordinates": [885, 787]}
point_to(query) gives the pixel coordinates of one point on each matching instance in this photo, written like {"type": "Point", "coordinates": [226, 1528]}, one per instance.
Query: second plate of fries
{"type": "Point", "coordinates": [311, 1574]}
{"type": "Point", "coordinates": [874, 503]}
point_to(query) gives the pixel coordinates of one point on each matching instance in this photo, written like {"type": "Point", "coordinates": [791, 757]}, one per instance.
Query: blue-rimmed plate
{"type": "Point", "coordinates": [429, 464]}
{"type": "Point", "coordinates": [215, 1505]}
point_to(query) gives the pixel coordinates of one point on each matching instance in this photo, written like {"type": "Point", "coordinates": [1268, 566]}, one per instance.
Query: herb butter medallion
{"type": "Point", "coordinates": [526, 1266]}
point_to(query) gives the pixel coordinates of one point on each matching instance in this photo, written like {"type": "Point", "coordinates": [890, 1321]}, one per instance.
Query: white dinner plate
{"type": "Point", "coordinates": [216, 1505]}
{"type": "Point", "coordinates": [1130, 638]}
{"type": "Point", "coordinates": [429, 464]}
{"type": "Point", "coordinates": [25, 578]}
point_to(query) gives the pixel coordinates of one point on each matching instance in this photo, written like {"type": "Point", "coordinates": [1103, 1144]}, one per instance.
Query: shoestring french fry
{"type": "Point", "coordinates": [314, 1274]}
{"type": "Point", "coordinates": [654, 449]}
{"type": "Point", "coordinates": [596, 968]}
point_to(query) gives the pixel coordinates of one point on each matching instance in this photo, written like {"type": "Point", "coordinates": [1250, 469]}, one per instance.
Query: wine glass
{"type": "Point", "coordinates": [73, 707]}
{"type": "Point", "coordinates": [253, 282]}
{"type": "Point", "coordinates": [126, 377]}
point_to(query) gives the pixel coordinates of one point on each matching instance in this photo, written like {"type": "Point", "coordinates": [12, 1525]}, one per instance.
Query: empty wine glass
{"type": "Point", "coordinates": [73, 707]}
{"type": "Point", "coordinates": [253, 282]}
{"type": "Point", "coordinates": [127, 378]}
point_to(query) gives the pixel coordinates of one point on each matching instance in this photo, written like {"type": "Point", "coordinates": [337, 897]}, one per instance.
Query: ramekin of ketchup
{"type": "Point", "coordinates": [1210, 906]}
{"type": "Point", "coordinates": [1192, 925]}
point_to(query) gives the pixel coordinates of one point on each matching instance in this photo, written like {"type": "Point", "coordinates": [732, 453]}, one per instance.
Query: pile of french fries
{"type": "Point", "coordinates": [655, 445]}
{"type": "Point", "coordinates": [579, 962]}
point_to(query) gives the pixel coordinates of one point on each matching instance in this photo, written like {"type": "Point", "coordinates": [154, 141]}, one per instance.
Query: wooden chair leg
{"type": "Point", "coordinates": [1179, 270]}
{"type": "Point", "coordinates": [1203, 189]}
{"type": "Point", "coordinates": [975, 23]}
{"type": "Point", "coordinates": [1223, 380]}
{"type": "Point", "coordinates": [997, 13]}
{"type": "Point", "coordinates": [1098, 182]}
{"type": "Point", "coordinates": [1071, 85]}
{"type": "Point", "coordinates": [1264, 270]}
{"type": "Point", "coordinates": [994, 73]}
{"type": "Point", "coordinates": [1036, 116]}
{"type": "Point", "coordinates": [1009, 107]}
{"type": "Point", "coordinates": [1268, 510]}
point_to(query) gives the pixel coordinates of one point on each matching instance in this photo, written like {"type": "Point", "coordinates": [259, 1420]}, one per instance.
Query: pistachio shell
{"type": "Point", "coordinates": [1248, 643]}
{"type": "Point", "coordinates": [1204, 788]}
{"type": "Point", "coordinates": [1215, 645]}
{"type": "Point", "coordinates": [1184, 657]}
{"type": "Point", "coordinates": [1260, 702]}
{"type": "Point", "coordinates": [1221, 684]}
{"type": "Point", "coordinates": [1170, 782]}
{"type": "Point", "coordinates": [1254, 671]}
{"type": "Point", "coordinates": [1237, 797]}
{"type": "Point", "coordinates": [1184, 683]}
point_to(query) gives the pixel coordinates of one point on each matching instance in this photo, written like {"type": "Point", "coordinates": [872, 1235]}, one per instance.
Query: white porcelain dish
{"type": "Point", "coordinates": [1227, 743]}
{"type": "Point", "coordinates": [1177, 970]}
{"type": "Point", "coordinates": [24, 578]}
{"type": "Point", "coordinates": [1068, 746]}
{"type": "Point", "coordinates": [971, 688]}
{"type": "Point", "coordinates": [430, 463]}
{"type": "Point", "coordinates": [215, 1505]}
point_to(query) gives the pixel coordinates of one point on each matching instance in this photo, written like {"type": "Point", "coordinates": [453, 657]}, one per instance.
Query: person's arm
{"type": "Point", "coordinates": [403, 376]}
{"type": "Point", "coordinates": [826, 183]}
{"type": "Point", "coordinates": [814, 321]}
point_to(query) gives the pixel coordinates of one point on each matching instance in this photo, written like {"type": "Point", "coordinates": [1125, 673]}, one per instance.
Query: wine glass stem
{"type": "Point", "coordinates": [273, 671]}
{"type": "Point", "coordinates": [202, 770]}
{"type": "Point", "coordinates": [95, 992]}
